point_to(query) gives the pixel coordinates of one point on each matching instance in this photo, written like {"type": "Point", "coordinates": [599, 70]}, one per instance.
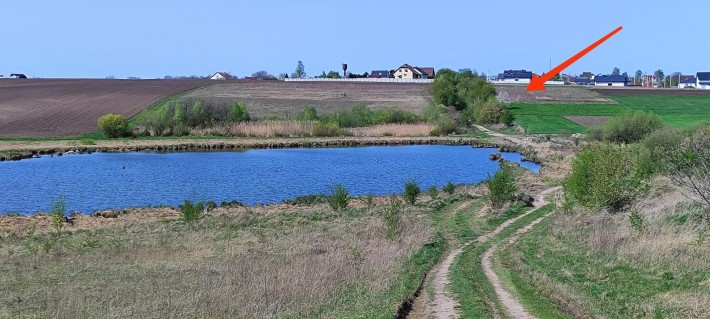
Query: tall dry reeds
{"type": "Point", "coordinates": [416, 129]}
{"type": "Point", "coordinates": [259, 129]}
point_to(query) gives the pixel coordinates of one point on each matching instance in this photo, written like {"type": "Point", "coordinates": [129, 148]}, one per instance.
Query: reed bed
{"type": "Point", "coordinates": [400, 130]}
{"type": "Point", "coordinates": [260, 129]}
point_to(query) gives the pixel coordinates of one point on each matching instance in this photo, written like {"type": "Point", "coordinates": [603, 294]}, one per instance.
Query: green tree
{"type": "Point", "coordinates": [179, 114]}
{"type": "Point", "coordinates": [330, 75]}
{"type": "Point", "coordinates": [238, 113]}
{"type": "Point", "coordinates": [114, 125]}
{"type": "Point", "coordinates": [198, 116]}
{"type": "Point", "coordinates": [263, 75]}
{"type": "Point", "coordinates": [615, 71]}
{"type": "Point", "coordinates": [300, 71]}
{"type": "Point", "coordinates": [659, 76]}
{"type": "Point", "coordinates": [444, 89]}
{"type": "Point", "coordinates": [309, 114]}
{"type": "Point", "coordinates": [461, 89]}
{"type": "Point", "coordinates": [638, 74]}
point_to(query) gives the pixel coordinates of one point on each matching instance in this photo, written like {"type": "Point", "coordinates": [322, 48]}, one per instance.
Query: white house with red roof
{"type": "Point", "coordinates": [407, 71]}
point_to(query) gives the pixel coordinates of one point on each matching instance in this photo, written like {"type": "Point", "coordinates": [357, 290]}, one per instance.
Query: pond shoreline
{"type": "Point", "coordinates": [14, 151]}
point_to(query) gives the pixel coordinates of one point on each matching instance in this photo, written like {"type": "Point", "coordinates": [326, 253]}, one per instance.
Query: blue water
{"type": "Point", "coordinates": [117, 180]}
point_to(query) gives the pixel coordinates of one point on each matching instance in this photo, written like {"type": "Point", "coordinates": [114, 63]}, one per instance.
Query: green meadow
{"type": "Point", "coordinates": [549, 118]}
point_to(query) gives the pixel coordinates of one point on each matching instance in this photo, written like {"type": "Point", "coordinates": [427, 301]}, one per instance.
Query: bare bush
{"type": "Point", "coordinates": [689, 166]}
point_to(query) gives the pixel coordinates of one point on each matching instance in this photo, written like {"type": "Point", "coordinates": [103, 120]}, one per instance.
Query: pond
{"type": "Point", "coordinates": [117, 180]}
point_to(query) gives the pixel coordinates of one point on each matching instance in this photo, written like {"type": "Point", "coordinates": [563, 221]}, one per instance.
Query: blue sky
{"type": "Point", "coordinates": [148, 39]}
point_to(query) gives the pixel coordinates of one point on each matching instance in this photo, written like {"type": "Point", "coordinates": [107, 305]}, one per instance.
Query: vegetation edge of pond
{"type": "Point", "coordinates": [235, 144]}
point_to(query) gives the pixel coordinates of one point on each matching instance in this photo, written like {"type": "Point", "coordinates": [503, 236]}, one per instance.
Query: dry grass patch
{"type": "Point", "coordinates": [419, 129]}
{"type": "Point", "coordinates": [232, 263]}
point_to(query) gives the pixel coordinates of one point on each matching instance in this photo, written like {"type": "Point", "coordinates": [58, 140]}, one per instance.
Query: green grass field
{"type": "Point", "coordinates": [678, 111]}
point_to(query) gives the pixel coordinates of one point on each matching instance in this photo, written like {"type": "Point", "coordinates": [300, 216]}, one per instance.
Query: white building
{"type": "Point", "coordinates": [221, 76]}
{"type": "Point", "coordinates": [702, 80]}
{"type": "Point", "coordinates": [515, 76]}
{"type": "Point", "coordinates": [687, 81]}
{"type": "Point", "coordinates": [610, 80]}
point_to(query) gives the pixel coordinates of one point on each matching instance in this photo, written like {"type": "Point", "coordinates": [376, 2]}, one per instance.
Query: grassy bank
{"type": "Point", "coordinates": [234, 262]}
{"type": "Point", "coordinates": [598, 266]}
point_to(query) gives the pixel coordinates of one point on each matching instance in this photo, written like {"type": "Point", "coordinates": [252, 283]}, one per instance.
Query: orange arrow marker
{"type": "Point", "coordinates": [537, 83]}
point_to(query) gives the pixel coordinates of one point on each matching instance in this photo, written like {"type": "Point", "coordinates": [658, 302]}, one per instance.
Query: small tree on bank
{"type": "Point", "coordinates": [114, 125]}
{"type": "Point", "coordinates": [411, 191]}
{"type": "Point", "coordinates": [239, 113]}
{"type": "Point", "coordinates": [501, 187]}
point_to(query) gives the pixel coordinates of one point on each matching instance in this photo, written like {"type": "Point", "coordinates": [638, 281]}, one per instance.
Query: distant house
{"type": "Point", "coordinates": [380, 74]}
{"type": "Point", "coordinates": [221, 76]}
{"type": "Point", "coordinates": [519, 76]}
{"type": "Point", "coordinates": [702, 80]}
{"type": "Point", "coordinates": [583, 81]}
{"type": "Point", "coordinates": [18, 76]}
{"type": "Point", "coordinates": [588, 75]}
{"type": "Point", "coordinates": [687, 81]}
{"type": "Point", "coordinates": [610, 80]}
{"type": "Point", "coordinates": [407, 71]}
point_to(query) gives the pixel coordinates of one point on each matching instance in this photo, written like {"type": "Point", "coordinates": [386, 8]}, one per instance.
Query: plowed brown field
{"type": "Point", "coordinates": [70, 107]}
{"type": "Point", "coordinates": [267, 98]}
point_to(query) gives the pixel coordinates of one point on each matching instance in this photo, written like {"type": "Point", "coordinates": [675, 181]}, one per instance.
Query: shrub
{"type": "Point", "coordinates": [238, 113]}
{"type": "Point", "coordinates": [688, 165]}
{"type": "Point", "coordinates": [411, 191]}
{"type": "Point", "coordinates": [501, 187]}
{"type": "Point", "coordinates": [604, 176]}
{"type": "Point", "coordinates": [431, 113]}
{"type": "Point", "coordinates": [595, 134]}
{"type": "Point", "coordinates": [232, 203]}
{"type": "Point", "coordinates": [58, 211]}
{"type": "Point", "coordinates": [489, 112]}
{"type": "Point", "coordinates": [191, 212]}
{"type": "Point", "coordinates": [307, 200]}
{"type": "Point", "coordinates": [339, 197]}
{"type": "Point", "coordinates": [327, 129]}
{"type": "Point", "coordinates": [433, 192]}
{"type": "Point", "coordinates": [114, 125]}
{"type": "Point", "coordinates": [467, 116]}
{"type": "Point", "coordinates": [461, 89]}
{"type": "Point", "coordinates": [507, 118]}
{"type": "Point", "coordinates": [309, 114]}
{"type": "Point", "coordinates": [631, 127]}
{"type": "Point", "coordinates": [449, 187]}
{"type": "Point", "coordinates": [444, 126]}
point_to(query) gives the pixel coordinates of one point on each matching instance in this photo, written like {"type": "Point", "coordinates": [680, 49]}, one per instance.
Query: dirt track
{"type": "Point", "coordinates": [70, 107]}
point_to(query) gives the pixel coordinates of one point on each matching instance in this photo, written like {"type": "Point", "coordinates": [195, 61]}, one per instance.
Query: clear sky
{"type": "Point", "coordinates": [148, 39]}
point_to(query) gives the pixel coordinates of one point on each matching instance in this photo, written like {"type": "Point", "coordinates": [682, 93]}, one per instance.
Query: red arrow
{"type": "Point", "coordinates": [537, 82]}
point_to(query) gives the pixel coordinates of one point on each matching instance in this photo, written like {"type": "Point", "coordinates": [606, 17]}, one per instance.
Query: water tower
{"type": "Point", "coordinates": [345, 70]}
